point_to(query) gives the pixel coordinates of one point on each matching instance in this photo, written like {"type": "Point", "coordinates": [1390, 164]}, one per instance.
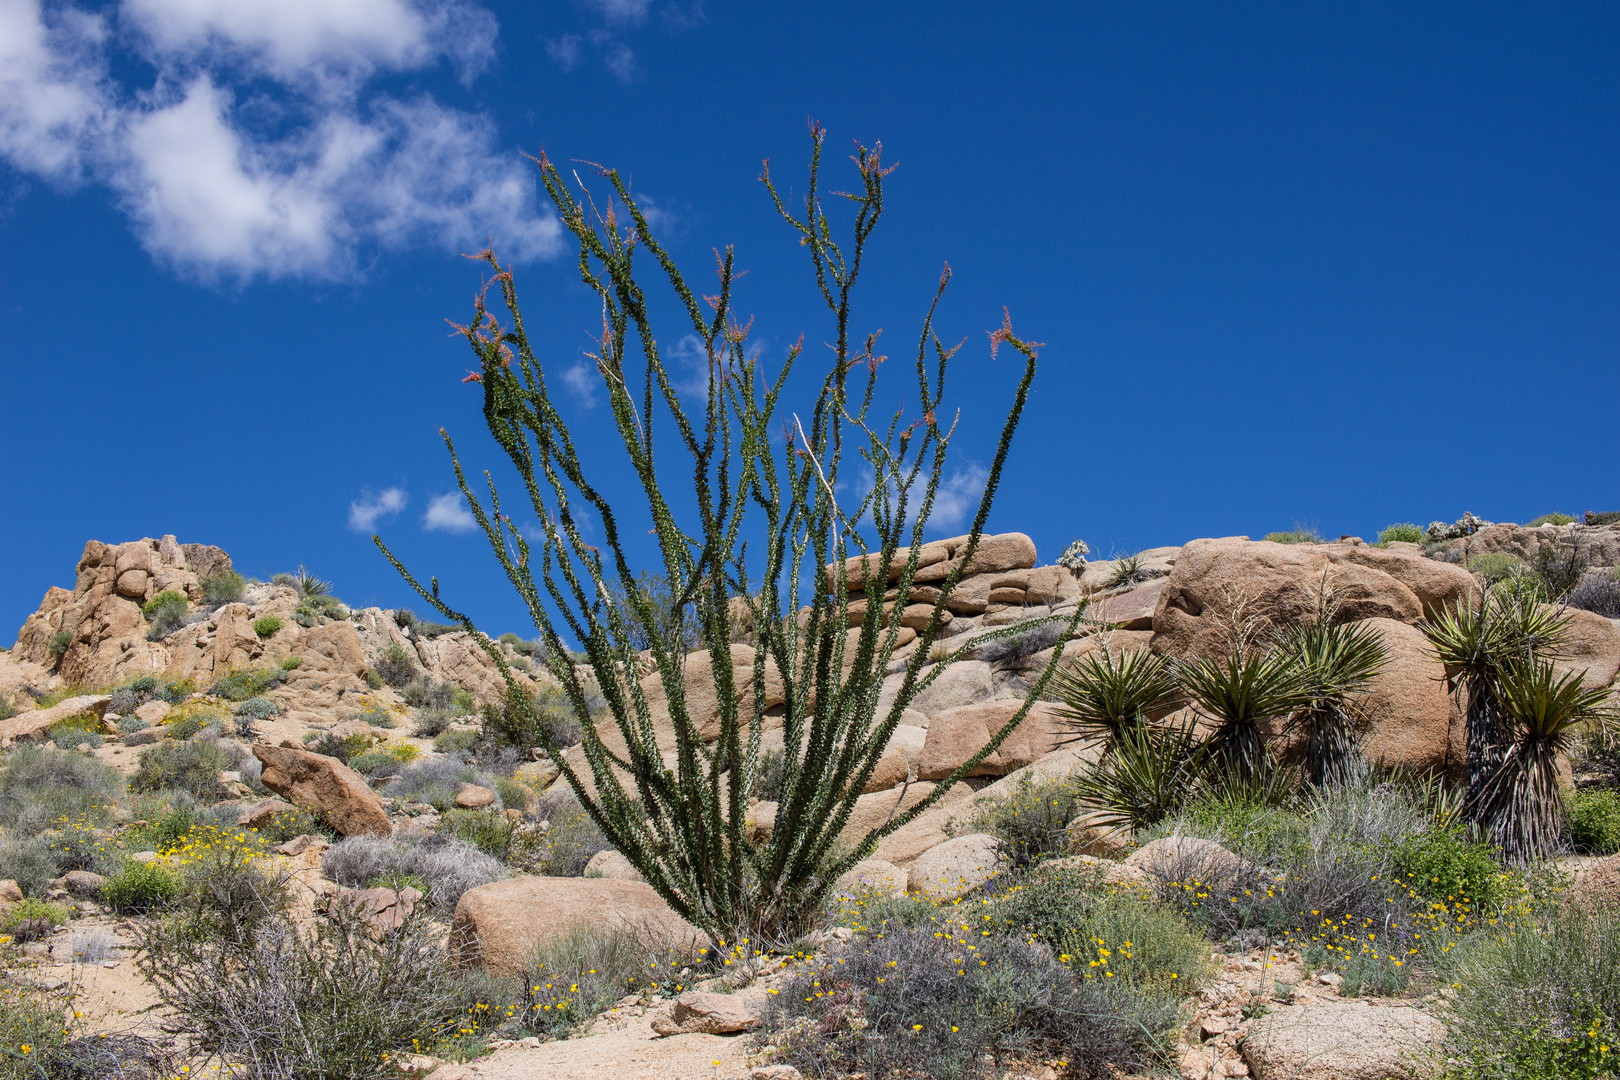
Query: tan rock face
{"type": "Point", "coordinates": [1437, 585]}
{"type": "Point", "coordinates": [326, 785]}
{"type": "Point", "coordinates": [965, 682]}
{"type": "Point", "coordinates": [1406, 716]}
{"type": "Point", "coordinates": [872, 876]}
{"type": "Point", "coordinates": [1592, 648]}
{"type": "Point", "coordinates": [32, 724]}
{"type": "Point", "coordinates": [1343, 1040]}
{"type": "Point", "coordinates": [936, 559]}
{"type": "Point", "coordinates": [1130, 610]}
{"type": "Point", "coordinates": [498, 925]}
{"type": "Point", "coordinates": [1276, 583]}
{"type": "Point", "coordinates": [956, 735]}
{"type": "Point", "coordinates": [956, 867]}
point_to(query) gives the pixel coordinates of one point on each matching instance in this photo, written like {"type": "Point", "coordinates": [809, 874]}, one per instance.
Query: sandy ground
{"type": "Point", "coordinates": [624, 1049]}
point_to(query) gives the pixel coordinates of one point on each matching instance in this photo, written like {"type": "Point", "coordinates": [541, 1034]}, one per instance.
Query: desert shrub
{"type": "Point", "coordinates": [132, 723]}
{"type": "Point", "coordinates": [571, 839]}
{"type": "Point", "coordinates": [167, 596]}
{"type": "Point", "coordinates": [342, 747]}
{"type": "Point", "coordinates": [919, 1003]}
{"type": "Point", "coordinates": [80, 845]}
{"type": "Point", "coordinates": [670, 623]}
{"type": "Point", "coordinates": [378, 717]}
{"type": "Point", "coordinates": [1299, 534]}
{"type": "Point", "coordinates": [396, 664]}
{"type": "Point", "coordinates": [188, 719]}
{"type": "Point", "coordinates": [7, 709]}
{"type": "Point", "coordinates": [28, 862]}
{"type": "Point", "coordinates": [27, 1019]}
{"type": "Point", "coordinates": [1549, 519]}
{"type": "Point", "coordinates": [174, 691]}
{"type": "Point", "coordinates": [192, 767]}
{"type": "Point", "coordinates": [289, 824]}
{"type": "Point", "coordinates": [166, 619]}
{"type": "Point", "coordinates": [104, 1056]}
{"type": "Point", "coordinates": [433, 781]}
{"type": "Point", "coordinates": [249, 683]}
{"type": "Point", "coordinates": [404, 618]}
{"type": "Point", "coordinates": [1540, 1001]}
{"type": "Point", "coordinates": [1403, 531]}
{"type": "Point", "coordinates": [1598, 593]}
{"type": "Point", "coordinates": [142, 887]}
{"type": "Point", "coordinates": [43, 784]}
{"type": "Point", "coordinates": [291, 663]}
{"type": "Point", "coordinates": [68, 734]}
{"type": "Point", "coordinates": [1441, 865]}
{"type": "Point", "coordinates": [257, 708]}
{"type": "Point", "coordinates": [1559, 569]}
{"type": "Point", "coordinates": [492, 832]}
{"type": "Point", "coordinates": [1014, 650]}
{"type": "Point", "coordinates": [531, 721]}
{"type": "Point", "coordinates": [375, 763]}
{"type": "Point", "coordinates": [1594, 821]}
{"type": "Point", "coordinates": [267, 625]}
{"type": "Point", "coordinates": [514, 793]}
{"type": "Point", "coordinates": [768, 780]}
{"type": "Point", "coordinates": [314, 610]}
{"type": "Point", "coordinates": [31, 910]}
{"type": "Point", "coordinates": [1120, 936]}
{"type": "Point", "coordinates": [404, 752]}
{"type": "Point", "coordinates": [326, 1001]}
{"type": "Point", "coordinates": [219, 589]}
{"type": "Point", "coordinates": [1494, 566]}
{"type": "Point", "coordinates": [1241, 824]}
{"type": "Point", "coordinates": [1029, 822]}
{"type": "Point", "coordinates": [448, 866]}
{"type": "Point", "coordinates": [430, 723]}
{"type": "Point", "coordinates": [434, 629]}
{"type": "Point", "coordinates": [451, 742]}
{"type": "Point", "coordinates": [57, 644]}
{"type": "Point", "coordinates": [569, 979]}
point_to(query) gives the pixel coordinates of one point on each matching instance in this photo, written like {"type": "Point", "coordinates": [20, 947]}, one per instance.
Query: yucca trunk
{"type": "Point", "coordinates": [1521, 807]}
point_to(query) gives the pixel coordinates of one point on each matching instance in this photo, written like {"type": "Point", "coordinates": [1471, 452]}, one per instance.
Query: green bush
{"type": "Point", "coordinates": [492, 832]}
{"type": "Point", "coordinates": [40, 785]}
{"type": "Point", "coordinates": [396, 665]}
{"type": "Point", "coordinates": [58, 643]}
{"type": "Point", "coordinates": [27, 861]}
{"type": "Point", "coordinates": [142, 887]}
{"type": "Point", "coordinates": [529, 722]}
{"type": "Point", "coordinates": [514, 793]}
{"type": "Point", "coordinates": [267, 625]}
{"type": "Point", "coordinates": [68, 734]}
{"type": "Point", "coordinates": [569, 979]}
{"type": "Point", "coordinates": [163, 599]}
{"type": "Point", "coordinates": [1403, 531]}
{"type": "Point", "coordinates": [291, 663]}
{"type": "Point", "coordinates": [1550, 519]}
{"type": "Point", "coordinates": [1030, 821]}
{"type": "Point", "coordinates": [1441, 865]}
{"type": "Point", "coordinates": [256, 708]}
{"type": "Point", "coordinates": [571, 839]}
{"type": "Point", "coordinates": [193, 767]}
{"type": "Point", "coordinates": [165, 826]}
{"type": "Point", "coordinates": [225, 587]}
{"type": "Point", "coordinates": [1299, 534]}
{"type": "Point", "coordinates": [372, 760]}
{"type": "Point", "coordinates": [1494, 566]}
{"type": "Point", "coordinates": [248, 683]}
{"type": "Point", "coordinates": [1540, 1000]}
{"type": "Point", "coordinates": [1594, 821]}
{"type": "Point", "coordinates": [919, 1003]}
{"type": "Point", "coordinates": [27, 1020]}
{"type": "Point", "coordinates": [451, 742]}
{"type": "Point", "coordinates": [132, 723]}
{"type": "Point", "coordinates": [342, 747]}
{"type": "Point", "coordinates": [31, 909]}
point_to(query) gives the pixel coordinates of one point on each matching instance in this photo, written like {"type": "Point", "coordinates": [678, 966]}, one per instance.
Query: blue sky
{"type": "Point", "coordinates": [1290, 262]}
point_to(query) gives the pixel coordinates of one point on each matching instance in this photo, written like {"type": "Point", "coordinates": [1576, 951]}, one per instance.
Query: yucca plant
{"type": "Point", "coordinates": [309, 586]}
{"type": "Point", "coordinates": [1242, 693]}
{"type": "Point", "coordinates": [672, 799]}
{"type": "Point", "coordinates": [1476, 640]}
{"type": "Point", "coordinates": [1104, 693]}
{"type": "Point", "coordinates": [1152, 771]}
{"type": "Point", "coordinates": [1335, 661]}
{"type": "Point", "coordinates": [1520, 807]}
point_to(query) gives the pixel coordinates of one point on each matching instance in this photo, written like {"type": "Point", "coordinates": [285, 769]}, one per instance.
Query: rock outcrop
{"type": "Point", "coordinates": [1343, 1040]}
{"type": "Point", "coordinates": [327, 786]}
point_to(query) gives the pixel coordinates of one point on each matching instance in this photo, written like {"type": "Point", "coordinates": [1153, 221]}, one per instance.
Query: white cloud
{"type": "Point", "coordinates": [620, 60]}
{"type": "Point", "coordinates": [581, 382]}
{"type": "Point", "coordinates": [331, 39]}
{"type": "Point", "coordinates": [956, 499]}
{"type": "Point", "coordinates": [565, 51]}
{"type": "Point", "coordinates": [448, 513]}
{"type": "Point", "coordinates": [53, 101]}
{"type": "Point", "coordinates": [619, 12]}
{"type": "Point", "coordinates": [365, 511]}
{"type": "Point", "coordinates": [333, 174]}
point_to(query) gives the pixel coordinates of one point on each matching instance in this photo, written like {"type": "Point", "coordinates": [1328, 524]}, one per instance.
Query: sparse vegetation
{"type": "Point", "coordinates": [1301, 533]}
{"type": "Point", "coordinates": [192, 767]}
{"type": "Point", "coordinates": [448, 866]}
{"type": "Point", "coordinates": [58, 644]}
{"type": "Point", "coordinates": [268, 625]}
{"type": "Point", "coordinates": [396, 665]}
{"type": "Point", "coordinates": [1549, 519]}
{"type": "Point", "coordinates": [225, 587]}
{"type": "Point", "coordinates": [1403, 532]}
{"type": "Point", "coordinates": [1598, 592]}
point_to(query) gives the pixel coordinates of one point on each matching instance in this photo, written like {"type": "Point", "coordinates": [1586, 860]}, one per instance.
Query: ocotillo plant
{"type": "Point", "coordinates": [676, 805]}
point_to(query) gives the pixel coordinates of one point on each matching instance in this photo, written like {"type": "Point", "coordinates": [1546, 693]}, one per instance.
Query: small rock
{"type": "Point", "coordinates": [259, 814]}
{"type": "Point", "coordinates": [776, 1072]}
{"type": "Point", "coordinates": [611, 864]}
{"type": "Point", "coordinates": [83, 883]}
{"type": "Point", "coordinates": [1330, 978]}
{"type": "Point", "coordinates": [698, 1011]}
{"type": "Point", "coordinates": [531, 1042]}
{"type": "Point", "coordinates": [9, 891]}
{"type": "Point", "coordinates": [473, 797]}
{"type": "Point", "coordinates": [144, 856]}
{"type": "Point", "coordinates": [141, 738]}
{"type": "Point", "coordinates": [300, 844]}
